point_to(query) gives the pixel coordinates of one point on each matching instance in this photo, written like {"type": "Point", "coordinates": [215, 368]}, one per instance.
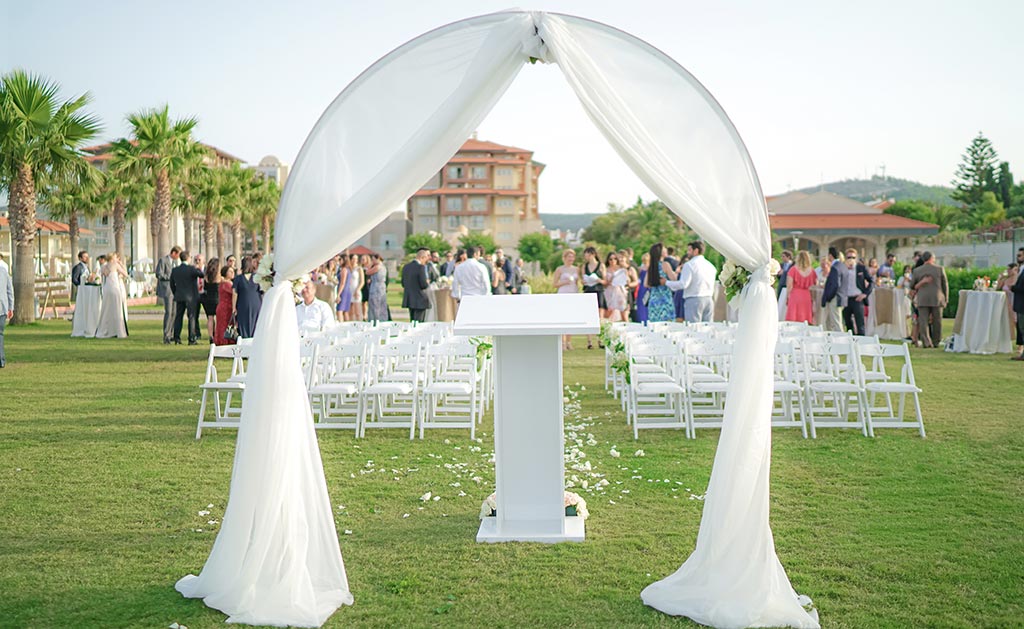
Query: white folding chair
{"type": "Point", "coordinates": [220, 381]}
{"type": "Point", "coordinates": [450, 394]}
{"type": "Point", "coordinates": [333, 379]}
{"type": "Point", "coordinates": [706, 375]}
{"type": "Point", "coordinates": [906, 385]}
{"type": "Point", "coordinates": [786, 386]}
{"type": "Point", "coordinates": [839, 396]}
{"type": "Point", "coordinates": [391, 395]}
{"type": "Point", "coordinates": [655, 397]}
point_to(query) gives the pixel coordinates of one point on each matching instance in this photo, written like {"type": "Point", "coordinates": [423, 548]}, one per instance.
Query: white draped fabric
{"type": "Point", "coordinates": [276, 559]}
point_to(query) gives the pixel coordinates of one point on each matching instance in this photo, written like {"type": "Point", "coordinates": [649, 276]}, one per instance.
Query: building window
{"type": "Point", "coordinates": [455, 172]}
{"type": "Point", "coordinates": [476, 222]}
{"type": "Point", "coordinates": [479, 172]}
{"type": "Point", "coordinates": [428, 221]}
{"type": "Point", "coordinates": [453, 222]}
{"type": "Point", "coordinates": [478, 204]}
{"type": "Point", "coordinates": [453, 203]}
{"type": "Point", "coordinates": [426, 203]}
{"type": "Point", "coordinates": [504, 172]}
{"type": "Point", "coordinates": [506, 203]}
{"type": "Point", "coordinates": [506, 219]}
{"type": "Point", "coordinates": [105, 220]}
{"type": "Point", "coordinates": [504, 236]}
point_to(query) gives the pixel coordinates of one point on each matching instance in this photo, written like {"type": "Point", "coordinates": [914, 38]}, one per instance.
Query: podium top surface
{"type": "Point", "coordinates": [528, 315]}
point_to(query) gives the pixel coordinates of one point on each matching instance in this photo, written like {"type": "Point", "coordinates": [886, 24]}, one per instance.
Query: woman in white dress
{"type": "Point", "coordinates": [615, 293]}
{"type": "Point", "coordinates": [114, 309]}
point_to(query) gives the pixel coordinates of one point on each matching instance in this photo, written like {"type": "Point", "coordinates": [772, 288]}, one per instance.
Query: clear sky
{"type": "Point", "coordinates": [819, 90]}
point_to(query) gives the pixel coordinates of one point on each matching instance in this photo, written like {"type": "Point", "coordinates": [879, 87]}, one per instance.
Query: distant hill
{"type": "Point", "coordinates": [567, 221]}
{"type": "Point", "coordinates": [883, 188]}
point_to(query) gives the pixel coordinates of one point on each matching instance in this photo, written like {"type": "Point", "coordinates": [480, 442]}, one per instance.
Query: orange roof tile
{"type": "Point", "coordinates": [469, 191]}
{"type": "Point", "coordinates": [483, 146]}
{"type": "Point", "coordinates": [881, 223]}
{"type": "Point", "coordinates": [55, 227]}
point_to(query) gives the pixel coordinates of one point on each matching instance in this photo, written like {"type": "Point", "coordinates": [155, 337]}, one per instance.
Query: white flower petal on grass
{"type": "Point", "coordinates": [405, 515]}
{"type": "Point", "coordinates": [348, 532]}
{"type": "Point", "coordinates": [436, 498]}
{"type": "Point", "coordinates": [204, 513]}
{"type": "Point", "coordinates": [174, 625]}
{"type": "Point", "coordinates": [615, 453]}
{"type": "Point", "coordinates": [425, 497]}
{"type": "Point", "coordinates": [639, 453]}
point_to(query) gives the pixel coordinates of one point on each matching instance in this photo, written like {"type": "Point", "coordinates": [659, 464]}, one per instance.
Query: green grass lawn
{"type": "Point", "coordinates": [101, 483]}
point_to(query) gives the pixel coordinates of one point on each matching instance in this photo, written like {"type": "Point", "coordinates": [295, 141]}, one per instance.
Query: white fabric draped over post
{"type": "Point", "coordinates": [276, 559]}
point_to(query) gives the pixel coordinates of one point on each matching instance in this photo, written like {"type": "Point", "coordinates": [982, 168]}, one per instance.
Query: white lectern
{"type": "Point", "coordinates": [528, 435]}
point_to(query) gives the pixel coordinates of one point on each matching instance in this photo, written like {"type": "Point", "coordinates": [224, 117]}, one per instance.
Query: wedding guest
{"type": "Point", "coordinates": [164, 266]}
{"type": "Point", "coordinates": [485, 260]}
{"type": "Point", "coordinates": [659, 301]}
{"type": "Point", "coordinates": [932, 291]}
{"type": "Point", "coordinates": [366, 262]}
{"type": "Point", "coordinates": [414, 286]}
{"type": "Point", "coordinates": [344, 275]}
{"type": "Point", "coordinates": [210, 296]}
{"type": "Point", "coordinates": [616, 280]}
{"type": "Point", "coordinates": [887, 270]}
{"type": "Point", "coordinates": [518, 275]}
{"type": "Point", "coordinates": [592, 276]}
{"type": "Point", "coordinates": [197, 261]}
{"type": "Point", "coordinates": [230, 262]}
{"type": "Point", "coordinates": [470, 277]}
{"type": "Point", "coordinates": [855, 287]}
{"type": "Point", "coordinates": [505, 264]}
{"type": "Point", "coordinates": [185, 288]}
{"type": "Point", "coordinates": [224, 317]}
{"type": "Point", "coordinates": [632, 281]}
{"type": "Point", "coordinates": [377, 276]}
{"type": "Point", "coordinates": [500, 285]}
{"type": "Point", "coordinates": [873, 269]}
{"type": "Point", "coordinates": [113, 321]}
{"type": "Point", "coordinates": [312, 314]}
{"type": "Point", "coordinates": [697, 283]}
{"type": "Point", "coordinates": [245, 299]}
{"type": "Point", "coordinates": [356, 280]}
{"type": "Point", "coordinates": [567, 280]}
{"type": "Point", "coordinates": [798, 287]}
{"type": "Point", "coordinates": [831, 297]}
{"type": "Point", "coordinates": [642, 290]}
{"type": "Point", "coordinates": [433, 267]}
{"type": "Point", "coordinates": [1018, 305]}
{"type": "Point", "coordinates": [79, 273]}
{"type": "Point", "coordinates": [785, 264]}
{"type": "Point", "coordinates": [448, 268]}
{"type": "Point", "coordinates": [1005, 283]}
{"type": "Point", "coordinates": [6, 306]}
{"type": "Point", "coordinates": [524, 288]}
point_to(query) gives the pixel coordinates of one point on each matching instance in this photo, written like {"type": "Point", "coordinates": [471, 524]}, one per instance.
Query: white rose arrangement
{"type": "Point", "coordinates": [574, 504]}
{"type": "Point", "coordinates": [735, 277]}
{"type": "Point", "coordinates": [264, 276]}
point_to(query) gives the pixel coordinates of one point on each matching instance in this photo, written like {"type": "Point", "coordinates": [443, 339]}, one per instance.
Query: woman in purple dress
{"type": "Point", "coordinates": [345, 294]}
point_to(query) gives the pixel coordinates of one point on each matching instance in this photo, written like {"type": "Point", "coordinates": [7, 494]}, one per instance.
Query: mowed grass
{"type": "Point", "coordinates": [101, 483]}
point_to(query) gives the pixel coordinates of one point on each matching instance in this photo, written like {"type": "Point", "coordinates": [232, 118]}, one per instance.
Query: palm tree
{"type": "Point", "coordinates": [38, 135]}
{"type": "Point", "coordinates": [195, 156]}
{"type": "Point", "coordinates": [264, 209]}
{"type": "Point", "coordinates": [164, 148]}
{"type": "Point", "coordinates": [245, 186]}
{"type": "Point", "coordinates": [73, 194]}
{"type": "Point", "coordinates": [127, 187]}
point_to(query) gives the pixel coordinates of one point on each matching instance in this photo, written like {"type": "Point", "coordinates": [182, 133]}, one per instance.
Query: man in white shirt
{"type": "Point", "coordinates": [697, 281]}
{"type": "Point", "coordinates": [470, 277]}
{"type": "Point", "coordinates": [312, 314]}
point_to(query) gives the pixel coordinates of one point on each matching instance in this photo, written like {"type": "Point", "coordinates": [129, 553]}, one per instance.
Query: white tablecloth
{"type": "Point", "coordinates": [87, 311]}
{"type": "Point", "coordinates": [896, 328]}
{"type": "Point", "coordinates": [982, 323]}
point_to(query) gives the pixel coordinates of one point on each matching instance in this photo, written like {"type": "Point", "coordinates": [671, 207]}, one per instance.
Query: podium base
{"type": "Point", "coordinates": [575, 531]}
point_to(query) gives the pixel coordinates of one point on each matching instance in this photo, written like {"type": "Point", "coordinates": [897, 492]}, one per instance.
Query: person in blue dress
{"type": "Point", "coordinates": [641, 293]}
{"type": "Point", "coordinates": [246, 300]}
{"type": "Point", "coordinates": [659, 302]}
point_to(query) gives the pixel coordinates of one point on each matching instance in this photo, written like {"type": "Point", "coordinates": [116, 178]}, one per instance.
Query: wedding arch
{"type": "Point", "coordinates": [276, 559]}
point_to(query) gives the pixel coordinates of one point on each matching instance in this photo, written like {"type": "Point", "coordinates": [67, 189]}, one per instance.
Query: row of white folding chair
{"type": "Point", "coordinates": [224, 375]}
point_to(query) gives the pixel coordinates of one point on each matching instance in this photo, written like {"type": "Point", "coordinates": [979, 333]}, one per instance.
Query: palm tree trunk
{"type": "Point", "coordinates": [162, 212]}
{"type": "Point", "coordinates": [220, 242]}
{"type": "Point", "coordinates": [210, 233]}
{"type": "Point", "coordinates": [119, 226]}
{"type": "Point", "coordinates": [186, 222]}
{"type": "Point", "coordinates": [236, 237]}
{"type": "Point", "coordinates": [266, 233]}
{"type": "Point", "coordinates": [22, 217]}
{"type": "Point", "coordinates": [73, 232]}
{"type": "Point", "coordinates": [255, 240]}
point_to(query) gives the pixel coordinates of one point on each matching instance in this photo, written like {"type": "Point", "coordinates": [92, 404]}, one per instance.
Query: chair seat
{"type": "Point", "coordinates": [709, 386]}
{"type": "Point", "coordinates": [461, 388]}
{"type": "Point", "coordinates": [237, 378]}
{"type": "Point", "coordinates": [835, 387]}
{"type": "Point", "coordinates": [891, 387]}
{"type": "Point", "coordinates": [655, 377]}
{"type": "Point", "coordinates": [382, 388]}
{"type": "Point", "coordinates": [334, 388]}
{"type": "Point", "coordinates": [223, 386]}
{"type": "Point", "coordinates": [648, 388]}
{"type": "Point", "coordinates": [784, 386]}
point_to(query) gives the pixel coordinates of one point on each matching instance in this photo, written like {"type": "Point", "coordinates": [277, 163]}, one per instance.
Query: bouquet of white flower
{"type": "Point", "coordinates": [575, 505]}
{"type": "Point", "coordinates": [264, 276]}
{"type": "Point", "coordinates": [735, 277]}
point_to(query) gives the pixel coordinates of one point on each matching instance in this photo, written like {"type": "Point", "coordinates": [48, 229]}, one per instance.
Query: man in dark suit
{"type": "Point", "coordinates": [855, 286]}
{"type": "Point", "coordinates": [505, 264]}
{"type": "Point", "coordinates": [1018, 303]}
{"type": "Point", "coordinates": [785, 264]}
{"type": "Point", "coordinates": [931, 294]}
{"type": "Point", "coordinates": [184, 284]}
{"type": "Point", "coordinates": [830, 300]}
{"type": "Point", "coordinates": [78, 272]}
{"type": "Point", "coordinates": [164, 266]}
{"type": "Point", "coordinates": [414, 286]}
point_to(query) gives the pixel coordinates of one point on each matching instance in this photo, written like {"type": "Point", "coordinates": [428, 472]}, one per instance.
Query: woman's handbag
{"type": "Point", "coordinates": [231, 332]}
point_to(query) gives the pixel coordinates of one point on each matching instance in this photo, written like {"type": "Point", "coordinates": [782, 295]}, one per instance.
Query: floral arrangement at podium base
{"type": "Point", "coordinates": [575, 506]}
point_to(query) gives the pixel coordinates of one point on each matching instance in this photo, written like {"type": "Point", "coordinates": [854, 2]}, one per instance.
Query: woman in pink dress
{"type": "Point", "coordinates": [799, 280]}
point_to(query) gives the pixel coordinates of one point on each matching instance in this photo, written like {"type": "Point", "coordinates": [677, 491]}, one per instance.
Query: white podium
{"type": "Point", "coordinates": [528, 434]}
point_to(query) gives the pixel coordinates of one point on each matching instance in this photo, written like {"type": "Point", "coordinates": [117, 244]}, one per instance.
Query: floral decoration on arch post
{"type": "Point", "coordinates": [735, 277]}
{"type": "Point", "coordinates": [264, 276]}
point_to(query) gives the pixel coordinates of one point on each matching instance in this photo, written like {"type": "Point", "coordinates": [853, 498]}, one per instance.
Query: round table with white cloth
{"type": "Point", "coordinates": [87, 311]}
{"type": "Point", "coordinates": [888, 313]}
{"type": "Point", "coordinates": [982, 324]}
{"type": "Point", "coordinates": [442, 306]}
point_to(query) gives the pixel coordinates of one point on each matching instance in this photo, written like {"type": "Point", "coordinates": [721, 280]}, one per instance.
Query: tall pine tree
{"type": "Point", "coordinates": [1004, 184]}
{"type": "Point", "coordinates": [976, 172]}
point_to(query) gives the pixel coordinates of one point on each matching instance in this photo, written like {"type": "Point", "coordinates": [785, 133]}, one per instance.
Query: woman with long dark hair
{"type": "Point", "coordinates": [245, 299]}
{"type": "Point", "coordinates": [211, 296]}
{"type": "Point", "coordinates": [659, 296]}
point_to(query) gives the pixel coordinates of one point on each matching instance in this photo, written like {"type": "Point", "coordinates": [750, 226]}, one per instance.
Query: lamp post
{"type": "Point", "coordinates": [796, 240]}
